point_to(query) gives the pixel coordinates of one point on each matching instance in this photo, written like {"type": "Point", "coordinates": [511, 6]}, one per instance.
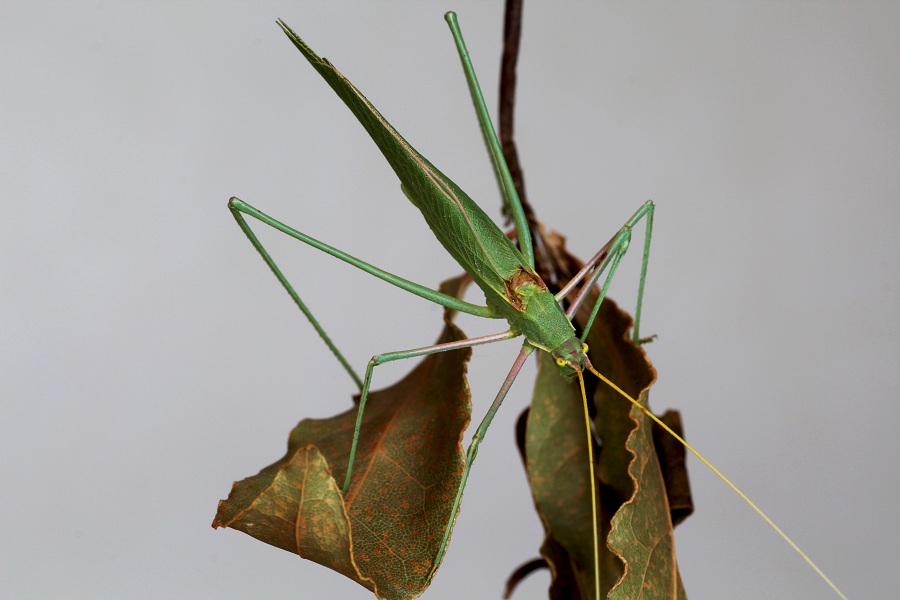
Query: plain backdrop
{"type": "Point", "coordinates": [149, 358]}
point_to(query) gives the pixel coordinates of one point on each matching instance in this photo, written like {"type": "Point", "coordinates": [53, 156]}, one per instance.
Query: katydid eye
{"type": "Point", "coordinates": [561, 362]}
{"type": "Point", "coordinates": [584, 348]}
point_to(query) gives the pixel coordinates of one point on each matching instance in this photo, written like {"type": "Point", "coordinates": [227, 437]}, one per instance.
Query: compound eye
{"type": "Point", "coordinates": [561, 362]}
{"type": "Point", "coordinates": [584, 348]}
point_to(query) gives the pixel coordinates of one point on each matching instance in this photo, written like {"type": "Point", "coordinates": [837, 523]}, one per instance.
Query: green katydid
{"type": "Point", "coordinates": [505, 274]}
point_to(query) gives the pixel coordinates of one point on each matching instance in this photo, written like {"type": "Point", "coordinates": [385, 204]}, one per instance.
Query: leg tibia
{"type": "Point", "coordinates": [381, 359]}
{"type": "Point", "coordinates": [607, 259]}
{"type": "Point", "coordinates": [237, 207]}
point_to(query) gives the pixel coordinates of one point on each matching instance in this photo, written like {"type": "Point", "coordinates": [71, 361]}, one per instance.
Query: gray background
{"type": "Point", "coordinates": [149, 358]}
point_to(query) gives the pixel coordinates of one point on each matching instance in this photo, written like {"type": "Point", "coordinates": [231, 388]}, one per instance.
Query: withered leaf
{"type": "Point", "coordinates": [641, 532]}
{"type": "Point", "coordinates": [629, 480]}
{"type": "Point", "coordinates": [386, 533]}
{"type": "Point", "coordinates": [633, 488]}
{"type": "Point", "coordinates": [557, 465]}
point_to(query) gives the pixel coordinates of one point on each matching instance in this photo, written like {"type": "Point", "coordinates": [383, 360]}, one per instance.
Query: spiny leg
{"type": "Point", "coordinates": [501, 169]}
{"type": "Point", "coordinates": [608, 258]}
{"type": "Point", "coordinates": [645, 258]}
{"type": "Point", "coordinates": [236, 207]}
{"type": "Point", "coordinates": [472, 451]}
{"type": "Point", "coordinates": [239, 208]}
{"type": "Point", "coordinates": [387, 357]}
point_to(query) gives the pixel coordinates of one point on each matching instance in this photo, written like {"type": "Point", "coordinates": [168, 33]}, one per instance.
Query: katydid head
{"type": "Point", "coordinates": [571, 357]}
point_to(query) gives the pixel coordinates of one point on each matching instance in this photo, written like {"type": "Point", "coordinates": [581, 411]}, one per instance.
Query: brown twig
{"type": "Point", "coordinates": [512, 33]}
{"type": "Point", "coordinates": [547, 265]}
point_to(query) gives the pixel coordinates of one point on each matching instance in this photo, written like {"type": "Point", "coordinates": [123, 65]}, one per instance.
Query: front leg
{"type": "Point", "coordinates": [387, 357]}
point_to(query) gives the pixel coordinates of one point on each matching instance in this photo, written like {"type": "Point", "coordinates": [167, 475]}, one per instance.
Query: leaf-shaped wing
{"type": "Point", "coordinates": [460, 225]}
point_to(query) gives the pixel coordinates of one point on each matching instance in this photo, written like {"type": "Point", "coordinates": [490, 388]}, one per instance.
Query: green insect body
{"type": "Point", "coordinates": [512, 289]}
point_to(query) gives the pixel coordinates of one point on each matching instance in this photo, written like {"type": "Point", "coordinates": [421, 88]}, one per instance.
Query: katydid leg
{"type": "Point", "coordinates": [501, 169]}
{"type": "Point", "coordinates": [609, 265]}
{"type": "Point", "coordinates": [240, 208]}
{"type": "Point", "coordinates": [472, 452]}
{"type": "Point", "coordinates": [608, 258]}
{"type": "Point", "coordinates": [237, 208]}
{"type": "Point", "coordinates": [380, 359]}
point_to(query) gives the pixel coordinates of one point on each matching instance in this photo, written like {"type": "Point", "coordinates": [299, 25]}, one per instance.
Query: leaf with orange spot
{"type": "Point", "coordinates": [386, 533]}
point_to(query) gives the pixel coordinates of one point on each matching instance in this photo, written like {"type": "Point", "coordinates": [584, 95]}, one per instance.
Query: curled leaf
{"type": "Point", "coordinates": [641, 532]}
{"type": "Point", "coordinates": [386, 532]}
{"type": "Point", "coordinates": [633, 505]}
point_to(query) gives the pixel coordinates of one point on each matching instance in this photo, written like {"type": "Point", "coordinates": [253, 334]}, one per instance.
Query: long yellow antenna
{"type": "Point", "coordinates": [721, 476]}
{"type": "Point", "coordinates": [593, 483]}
